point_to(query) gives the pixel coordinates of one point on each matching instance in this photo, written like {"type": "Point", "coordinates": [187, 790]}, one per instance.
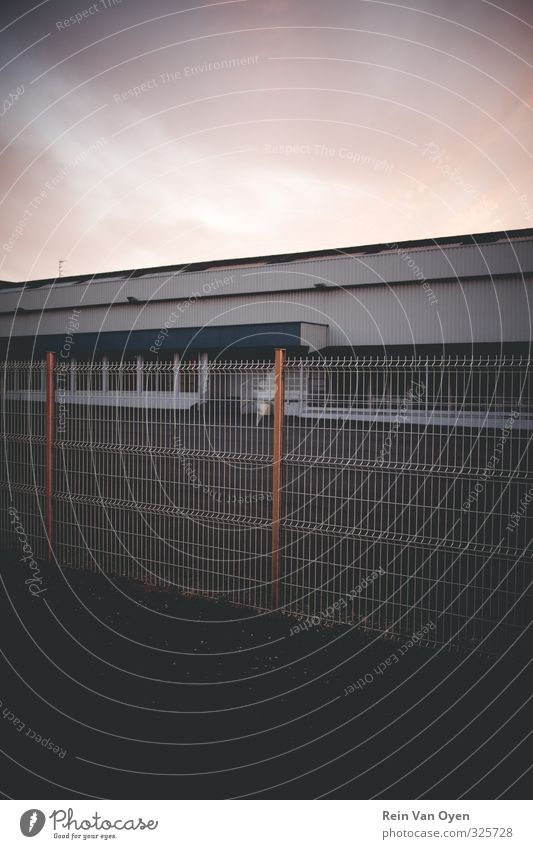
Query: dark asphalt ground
{"type": "Point", "coordinates": [154, 695]}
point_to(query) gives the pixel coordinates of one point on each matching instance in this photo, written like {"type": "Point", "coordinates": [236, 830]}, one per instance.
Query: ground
{"type": "Point", "coordinates": [148, 694]}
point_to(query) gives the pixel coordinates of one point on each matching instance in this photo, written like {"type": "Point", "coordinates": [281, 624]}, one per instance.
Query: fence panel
{"type": "Point", "coordinates": [401, 481]}
{"type": "Point", "coordinates": [173, 489]}
{"type": "Point", "coordinates": [22, 481]}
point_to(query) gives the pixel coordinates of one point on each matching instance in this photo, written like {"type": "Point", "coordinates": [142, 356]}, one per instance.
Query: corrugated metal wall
{"type": "Point", "coordinates": [480, 310]}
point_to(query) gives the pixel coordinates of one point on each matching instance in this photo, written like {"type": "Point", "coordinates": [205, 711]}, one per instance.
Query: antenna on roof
{"type": "Point", "coordinates": [61, 263]}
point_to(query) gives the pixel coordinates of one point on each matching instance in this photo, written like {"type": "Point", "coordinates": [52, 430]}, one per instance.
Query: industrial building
{"type": "Point", "coordinates": [464, 294]}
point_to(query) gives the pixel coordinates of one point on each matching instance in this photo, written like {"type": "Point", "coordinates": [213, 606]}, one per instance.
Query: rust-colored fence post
{"type": "Point", "coordinates": [49, 451]}
{"type": "Point", "coordinates": [279, 411]}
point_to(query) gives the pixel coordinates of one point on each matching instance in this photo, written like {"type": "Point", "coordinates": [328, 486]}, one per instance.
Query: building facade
{"type": "Point", "coordinates": [464, 294]}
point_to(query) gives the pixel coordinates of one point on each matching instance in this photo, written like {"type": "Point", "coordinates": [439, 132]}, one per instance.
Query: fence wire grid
{"type": "Point", "coordinates": [404, 497]}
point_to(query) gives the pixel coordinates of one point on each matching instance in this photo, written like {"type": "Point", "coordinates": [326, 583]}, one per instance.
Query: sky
{"type": "Point", "coordinates": [139, 134]}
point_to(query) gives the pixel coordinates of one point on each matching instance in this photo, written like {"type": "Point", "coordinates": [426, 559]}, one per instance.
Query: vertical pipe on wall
{"type": "Point", "coordinates": [49, 451]}
{"type": "Point", "coordinates": [279, 404]}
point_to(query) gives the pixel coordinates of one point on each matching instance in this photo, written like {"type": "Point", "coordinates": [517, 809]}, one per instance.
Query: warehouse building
{"type": "Point", "coordinates": [464, 294]}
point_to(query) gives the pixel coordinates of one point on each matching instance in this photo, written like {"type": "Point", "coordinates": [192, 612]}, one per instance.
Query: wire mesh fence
{"type": "Point", "coordinates": [402, 494]}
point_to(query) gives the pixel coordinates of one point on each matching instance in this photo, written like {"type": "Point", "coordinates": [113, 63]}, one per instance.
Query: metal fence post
{"type": "Point", "coordinates": [279, 405]}
{"type": "Point", "coordinates": [49, 450]}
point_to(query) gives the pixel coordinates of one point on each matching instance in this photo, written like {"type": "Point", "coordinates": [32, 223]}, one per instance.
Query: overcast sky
{"type": "Point", "coordinates": [140, 134]}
